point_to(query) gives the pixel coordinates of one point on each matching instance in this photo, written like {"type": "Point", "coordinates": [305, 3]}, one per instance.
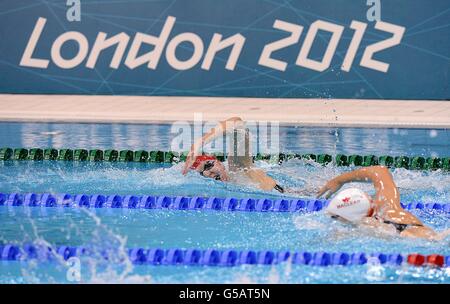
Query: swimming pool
{"type": "Point", "coordinates": [120, 229]}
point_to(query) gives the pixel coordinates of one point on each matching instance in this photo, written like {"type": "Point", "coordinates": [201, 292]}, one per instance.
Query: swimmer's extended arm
{"type": "Point", "coordinates": [378, 175]}
{"type": "Point", "coordinates": [215, 132]}
{"type": "Point", "coordinates": [442, 235]}
{"type": "Point", "coordinates": [258, 176]}
{"type": "Point", "coordinates": [422, 232]}
{"type": "Point", "coordinates": [387, 197]}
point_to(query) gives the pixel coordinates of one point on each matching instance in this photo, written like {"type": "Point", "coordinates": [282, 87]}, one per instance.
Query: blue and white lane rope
{"type": "Point", "coordinates": [180, 202]}
{"type": "Point", "coordinates": [209, 257]}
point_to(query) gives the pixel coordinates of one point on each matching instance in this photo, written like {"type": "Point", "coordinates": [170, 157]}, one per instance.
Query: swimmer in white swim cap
{"type": "Point", "coordinates": [383, 211]}
{"type": "Point", "coordinates": [351, 204]}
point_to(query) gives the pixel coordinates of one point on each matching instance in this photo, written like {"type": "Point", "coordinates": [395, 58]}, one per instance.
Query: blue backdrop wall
{"type": "Point", "coordinates": [412, 38]}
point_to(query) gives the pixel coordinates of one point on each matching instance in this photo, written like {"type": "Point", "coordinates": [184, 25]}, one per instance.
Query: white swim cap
{"type": "Point", "coordinates": [351, 204]}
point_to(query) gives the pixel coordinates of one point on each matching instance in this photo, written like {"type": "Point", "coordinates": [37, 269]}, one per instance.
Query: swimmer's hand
{"type": "Point", "coordinates": [189, 161]}
{"type": "Point", "coordinates": [442, 235]}
{"type": "Point", "coordinates": [330, 188]}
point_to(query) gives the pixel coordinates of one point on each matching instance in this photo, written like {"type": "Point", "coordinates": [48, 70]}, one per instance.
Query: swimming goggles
{"type": "Point", "coordinates": [208, 165]}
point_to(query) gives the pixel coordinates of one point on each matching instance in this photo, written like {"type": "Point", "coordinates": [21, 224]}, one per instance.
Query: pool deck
{"type": "Point", "coordinates": [155, 109]}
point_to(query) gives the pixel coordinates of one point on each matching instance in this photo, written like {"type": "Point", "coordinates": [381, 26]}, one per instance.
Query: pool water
{"type": "Point", "coordinates": [378, 141]}
{"type": "Point", "coordinates": [119, 229]}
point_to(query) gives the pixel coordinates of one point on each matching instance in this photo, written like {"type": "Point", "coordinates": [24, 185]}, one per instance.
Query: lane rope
{"type": "Point", "coordinates": [65, 200]}
{"type": "Point", "coordinates": [110, 155]}
{"type": "Point", "coordinates": [228, 258]}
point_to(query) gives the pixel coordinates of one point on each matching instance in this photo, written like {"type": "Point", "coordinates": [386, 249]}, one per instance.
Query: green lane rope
{"type": "Point", "coordinates": [143, 156]}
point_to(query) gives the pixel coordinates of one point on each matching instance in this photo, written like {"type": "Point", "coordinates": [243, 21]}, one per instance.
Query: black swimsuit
{"type": "Point", "coordinates": [399, 227]}
{"type": "Point", "coordinates": [279, 188]}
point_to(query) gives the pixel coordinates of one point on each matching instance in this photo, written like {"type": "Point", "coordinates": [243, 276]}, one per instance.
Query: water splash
{"type": "Point", "coordinates": [119, 230]}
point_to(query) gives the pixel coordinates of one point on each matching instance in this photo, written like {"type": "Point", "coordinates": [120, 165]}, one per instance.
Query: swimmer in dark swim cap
{"type": "Point", "coordinates": [210, 166]}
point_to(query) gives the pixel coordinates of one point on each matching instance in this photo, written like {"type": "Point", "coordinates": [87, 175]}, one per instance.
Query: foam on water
{"type": "Point", "coordinates": [300, 179]}
{"type": "Point", "coordinates": [117, 230]}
